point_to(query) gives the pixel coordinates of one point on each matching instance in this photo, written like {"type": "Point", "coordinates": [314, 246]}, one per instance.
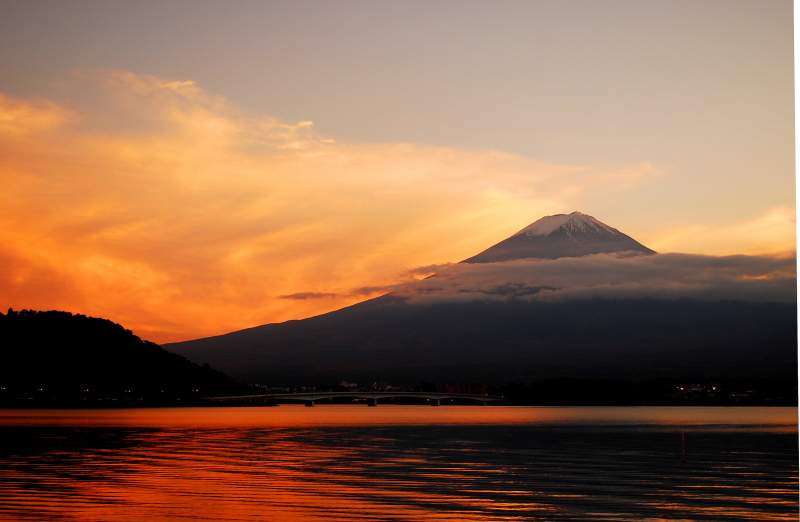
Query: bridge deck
{"type": "Point", "coordinates": [311, 397]}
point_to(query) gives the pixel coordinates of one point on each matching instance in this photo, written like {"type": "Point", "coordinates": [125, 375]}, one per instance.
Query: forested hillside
{"type": "Point", "coordinates": [58, 355]}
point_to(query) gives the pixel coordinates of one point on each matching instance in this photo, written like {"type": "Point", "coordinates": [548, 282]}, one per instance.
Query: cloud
{"type": "Point", "coordinates": [670, 276]}
{"type": "Point", "coordinates": [19, 117]}
{"type": "Point", "coordinates": [369, 291]}
{"type": "Point", "coordinates": [422, 272]}
{"type": "Point", "coordinates": [403, 279]}
{"type": "Point", "coordinates": [774, 231]}
{"type": "Point", "coordinates": [307, 295]}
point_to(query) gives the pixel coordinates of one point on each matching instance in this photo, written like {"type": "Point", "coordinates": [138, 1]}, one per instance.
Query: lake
{"type": "Point", "coordinates": [400, 463]}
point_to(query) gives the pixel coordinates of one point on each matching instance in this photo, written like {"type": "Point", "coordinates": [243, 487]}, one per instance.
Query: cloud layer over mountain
{"type": "Point", "coordinates": [671, 276]}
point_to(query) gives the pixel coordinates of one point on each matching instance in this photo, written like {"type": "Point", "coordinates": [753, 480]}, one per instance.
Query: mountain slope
{"type": "Point", "coordinates": [389, 339]}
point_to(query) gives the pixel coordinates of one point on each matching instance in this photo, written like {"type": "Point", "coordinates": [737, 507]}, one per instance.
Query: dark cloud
{"type": "Point", "coordinates": [409, 277]}
{"type": "Point", "coordinates": [748, 278]}
{"type": "Point", "coordinates": [425, 271]}
{"type": "Point", "coordinates": [308, 295]}
{"type": "Point", "coordinates": [371, 290]}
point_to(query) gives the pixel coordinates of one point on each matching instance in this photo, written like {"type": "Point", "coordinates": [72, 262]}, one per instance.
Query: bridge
{"type": "Point", "coordinates": [370, 397]}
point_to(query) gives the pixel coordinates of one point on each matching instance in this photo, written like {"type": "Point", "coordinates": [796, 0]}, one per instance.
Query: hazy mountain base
{"type": "Point", "coordinates": [386, 339]}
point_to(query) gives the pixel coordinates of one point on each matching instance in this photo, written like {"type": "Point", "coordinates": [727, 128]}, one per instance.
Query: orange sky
{"type": "Point", "coordinates": [173, 211]}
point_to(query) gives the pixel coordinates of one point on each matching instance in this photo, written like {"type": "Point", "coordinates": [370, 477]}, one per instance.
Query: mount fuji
{"type": "Point", "coordinates": [566, 296]}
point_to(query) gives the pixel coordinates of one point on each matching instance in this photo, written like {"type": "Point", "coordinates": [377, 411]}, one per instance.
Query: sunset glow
{"type": "Point", "coordinates": [291, 260]}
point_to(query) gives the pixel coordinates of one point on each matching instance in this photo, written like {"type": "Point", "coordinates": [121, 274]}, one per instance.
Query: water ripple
{"type": "Point", "coordinates": [489, 472]}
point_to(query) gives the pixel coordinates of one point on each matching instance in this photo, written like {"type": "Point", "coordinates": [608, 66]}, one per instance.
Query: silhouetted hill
{"type": "Point", "coordinates": [60, 355]}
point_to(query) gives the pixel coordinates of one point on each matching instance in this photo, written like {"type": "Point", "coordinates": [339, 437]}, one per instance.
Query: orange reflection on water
{"type": "Point", "coordinates": [277, 488]}
{"type": "Point", "coordinates": [781, 418]}
{"type": "Point", "coordinates": [404, 463]}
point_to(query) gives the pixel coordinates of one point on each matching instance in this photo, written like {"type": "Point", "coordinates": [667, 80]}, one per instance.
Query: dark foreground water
{"type": "Point", "coordinates": [410, 463]}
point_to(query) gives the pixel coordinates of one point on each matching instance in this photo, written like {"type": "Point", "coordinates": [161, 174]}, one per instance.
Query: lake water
{"type": "Point", "coordinates": [403, 463]}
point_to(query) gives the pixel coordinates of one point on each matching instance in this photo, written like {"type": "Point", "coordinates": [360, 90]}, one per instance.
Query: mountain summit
{"type": "Point", "coordinates": [562, 235]}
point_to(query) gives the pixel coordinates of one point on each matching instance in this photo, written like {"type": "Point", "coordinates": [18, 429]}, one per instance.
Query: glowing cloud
{"type": "Point", "coordinates": [775, 231]}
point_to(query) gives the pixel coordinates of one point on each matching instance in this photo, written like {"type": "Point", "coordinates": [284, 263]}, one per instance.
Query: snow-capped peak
{"type": "Point", "coordinates": [562, 235]}
{"type": "Point", "coordinates": [570, 222]}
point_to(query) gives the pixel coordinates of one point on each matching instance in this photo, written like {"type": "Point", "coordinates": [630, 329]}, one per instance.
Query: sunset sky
{"type": "Point", "coordinates": [190, 168]}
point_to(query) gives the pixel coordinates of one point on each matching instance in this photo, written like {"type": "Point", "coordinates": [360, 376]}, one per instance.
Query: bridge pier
{"type": "Point", "coordinates": [436, 402]}
{"type": "Point", "coordinates": [309, 403]}
{"type": "Point", "coordinates": [372, 402]}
